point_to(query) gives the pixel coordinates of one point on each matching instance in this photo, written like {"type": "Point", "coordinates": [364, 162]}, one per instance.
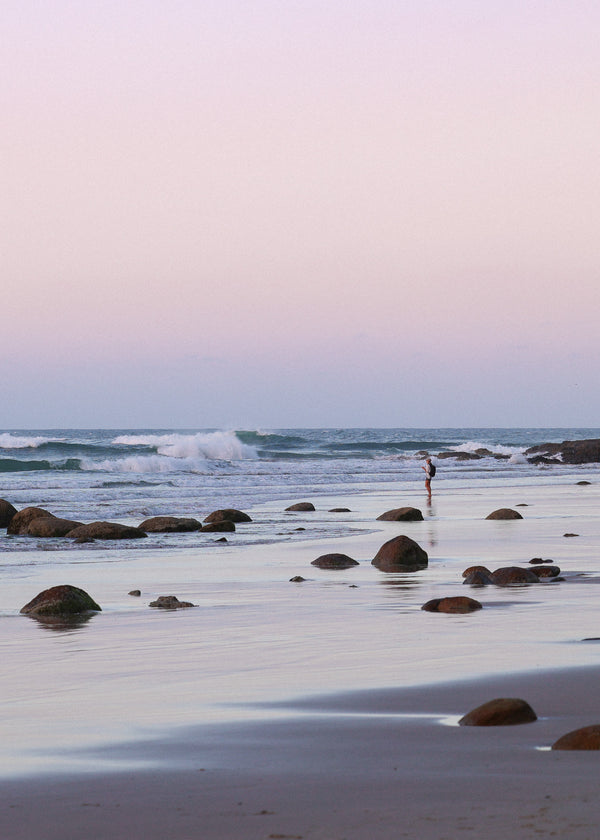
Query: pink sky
{"type": "Point", "coordinates": [300, 213]}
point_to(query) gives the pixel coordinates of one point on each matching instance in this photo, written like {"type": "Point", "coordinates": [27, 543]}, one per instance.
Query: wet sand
{"type": "Point", "coordinates": [376, 764]}
{"type": "Point", "coordinates": [208, 723]}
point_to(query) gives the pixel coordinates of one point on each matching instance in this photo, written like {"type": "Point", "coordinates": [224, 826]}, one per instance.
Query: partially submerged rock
{"type": "Point", "coordinates": [340, 510]}
{"type": "Point", "coordinates": [221, 525]}
{"type": "Point", "coordinates": [455, 604]}
{"type": "Point", "coordinates": [546, 571]}
{"type": "Point", "coordinates": [297, 579]}
{"type": "Point", "coordinates": [479, 577]}
{"type": "Point", "coordinates": [106, 531]}
{"type": "Point", "coordinates": [403, 514]}
{"type": "Point", "coordinates": [401, 554]}
{"type": "Point", "coordinates": [229, 514]}
{"type": "Point", "coordinates": [169, 524]}
{"type": "Point", "coordinates": [504, 711]}
{"type": "Point", "coordinates": [301, 506]}
{"type": "Point", "coordinates": [511, 575]}
{"type": "Point", "coordinates": [469, 571]}
{"type": "Point", "coordinates": [7, 511]}
{"type": "Point", "coordinates": [19, 523]}
{"type": "Point", "coordinates": [60, 600]}
{"type": "Point", "coordinates": [504, 513]}
{"type": "Point", "coordinates": [334, 561]}
{"type": "Point", "coordinates": [50, 526]}
{"type": "Point", "coordinates": [170, 602]}
{"type": "Point", "coordinates": [586, 738]}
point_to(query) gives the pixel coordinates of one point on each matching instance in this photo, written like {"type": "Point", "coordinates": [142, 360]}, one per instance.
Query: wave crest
{"type": "Point", "coordinates": [10, 441]}
{"type": "Point", "coordinates": [214, 446]}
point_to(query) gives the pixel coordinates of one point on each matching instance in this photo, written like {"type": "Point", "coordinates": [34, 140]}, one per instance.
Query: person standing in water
{"type": "Point", "coordinates": [429, 473]}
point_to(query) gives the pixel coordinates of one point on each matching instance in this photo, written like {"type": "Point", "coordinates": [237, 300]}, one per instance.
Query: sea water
{"type": "Point", "coordinates": [130, 671]}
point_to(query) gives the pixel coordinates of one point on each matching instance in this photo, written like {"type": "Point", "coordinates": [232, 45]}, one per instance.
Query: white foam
{"type": "Point", "coordinates": [496, 448]}
{"type": "Point", "coordinates": [8, 441]}
{"type": "Point", "coordinates": [147, 464]}
{"type": "Point", "coordinates": [223, 446]}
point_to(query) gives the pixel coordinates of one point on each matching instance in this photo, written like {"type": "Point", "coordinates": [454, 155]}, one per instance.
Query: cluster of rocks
{"type": "Point", "coordinates": [38, 522]}
{"type": "Point", "coordinates": [567, 452]}
{"type": "Point", "coordinates": [513, 711]}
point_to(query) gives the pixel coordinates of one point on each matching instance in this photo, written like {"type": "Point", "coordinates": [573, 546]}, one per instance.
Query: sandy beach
{"type": "Point", "coordinates": [324, 709]}
{"type": "Point", "coordinates": [369, 764]}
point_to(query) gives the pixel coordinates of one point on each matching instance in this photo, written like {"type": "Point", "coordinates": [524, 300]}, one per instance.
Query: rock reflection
{"type": "Point", "coordinates": [63, 622]}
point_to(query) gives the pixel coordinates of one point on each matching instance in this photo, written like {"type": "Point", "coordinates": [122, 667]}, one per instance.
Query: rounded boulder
{"type": "Point", "coordinates": [586, 738]}
{"type": "Point", "coordinates": [504, 513]}
{"type": "Point", "coordinates": [456, 604]}
{"type": "Point", "coordinates": [403, 514]}
{"type": "Point", "coordinates": [61, 600]}
{"type": "Point", "coordinates": [334, 561]}
{"type": "Point", "coordinates": [301, 506]}
{"type": "Point", "coordinates": [513, 575]}
{"type": "Point", "coordinates": [20, 522]}
{"type": "Point", "coordinates": [7, 511]}
{"type": "Point", "coordinates": [401, 554]}
{"type": "Point", "coordinates": [106, 531]}
{"type": "Point", "coordinates": [169, 525]}
{"type": "Point", "coordinates": [229, 514]}
{"type": "Point", "coordinates": [504, 711]}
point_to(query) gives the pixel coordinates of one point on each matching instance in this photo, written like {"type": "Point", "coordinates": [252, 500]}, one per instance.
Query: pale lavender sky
{"type": "Point", "coordinates": [300, 213]}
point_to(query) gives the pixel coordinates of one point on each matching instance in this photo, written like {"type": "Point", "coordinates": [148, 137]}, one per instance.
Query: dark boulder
{"type": "Point", "coordinates": [456, 604]}
{"type": "Point", "coordinates": [479, 577]}
{"type": "Point", "coordinates": [222, 525]}
{"type": "Point", "coordinates": [135, 592]}
{"type": "Point", "coordinates": [504, 513]}
{"type": "Point", "coordinates": [400, 554]}
{"type": "Point", "coordinates": [60, 600]}
{"type": "Point", "coordinates": [297, 579]}
{"type": "Point", "coordinates": [504, 711]}
{"type": "Point", "coordinates": [513, 575]}
{"type": "Point", "coordinates": [340, 510]}
{"type": "Point", "coordinates": [106, 531]}
{"type": "Point", "coordinates": [169, 525]}
{"type": "Point", "coordinates": [229, 514]}
{"type": "Point", "coordinates": [334, 561]}
{"type": "Point", "coordinates": [586, 738]}
{"type": "Point", "coordinates": [301, 506]}
{"type": "Point", "coordinates": [50, 526]}
{"type": "Point", "coordinates": [7, 511]}
{"type": "Point", "coordinates": [403, 514]}
{"type": "Point", "coordinates": [170, 602]}
{"type": "Point", "coordinates": [545, 571]}
{"type": "Point", "coordinates": [472, 569]}
{"type": "Point", "coordinates": [20, 521]}
{"type": "Point", "coordinates": [583, 483]}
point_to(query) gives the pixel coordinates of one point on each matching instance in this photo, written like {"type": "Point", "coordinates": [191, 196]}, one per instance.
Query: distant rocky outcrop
{"type": "Point", "coordinates": [403, 514]}
{"type": "Point", "coordinates": [504, 711]}
{"type": "Point", "coordinates": [20, 521]}
{"type": "Point", "coordinates": [229, 514]}
{"type": "Point", "coordinates": [400, 554]}
{"type": "Point", "coordinates": [334, 561]}
{"type": "Point", "coordinates": [61, 600]}
{"type": "Point", "coordinates": [106, 531]}
{"type": "Point", "coordinates": [567, 452]}
{"type": "Point", "coordinates": [7, 511]}
{"type": "Point", "coordinates": [504, 513]}
{"type": "Point", "coordinates": [169, 524]}
{"type": "Point", "coordinates": [454, 604]}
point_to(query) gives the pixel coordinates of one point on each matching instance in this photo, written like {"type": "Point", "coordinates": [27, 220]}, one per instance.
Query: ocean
{"type": "Point", "coordinates": [128, 474]}
{"type": "Point", "coordinates": [75, 695]}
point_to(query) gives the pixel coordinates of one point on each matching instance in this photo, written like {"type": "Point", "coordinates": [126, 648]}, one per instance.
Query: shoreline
{"type": "Point", "coordinates": [381, 763]}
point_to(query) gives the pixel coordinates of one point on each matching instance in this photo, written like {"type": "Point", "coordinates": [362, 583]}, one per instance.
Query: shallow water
{"type": "Point", "coordinates": [130, 671]}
